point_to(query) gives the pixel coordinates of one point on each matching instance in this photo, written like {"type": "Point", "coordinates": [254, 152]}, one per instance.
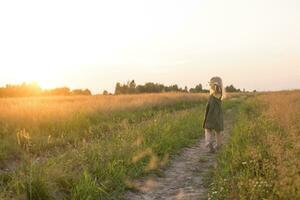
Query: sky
{"type": "Point", "coordinates": [252, 44]}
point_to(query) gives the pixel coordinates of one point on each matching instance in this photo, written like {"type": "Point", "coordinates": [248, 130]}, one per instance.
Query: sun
{"type": "Point", "coordinates": [44, 77]}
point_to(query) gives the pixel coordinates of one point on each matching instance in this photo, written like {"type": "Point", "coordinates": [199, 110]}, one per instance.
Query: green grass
{"type": "Point", "coordinates": [251, 166]}
{"type": "Point", "coordinates": [95, 156]}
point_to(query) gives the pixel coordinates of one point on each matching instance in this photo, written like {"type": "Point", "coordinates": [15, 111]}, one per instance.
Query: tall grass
{"type": "Point", "coordinates": [262, 159]}
{"type": "Point", "coordinates": [91, 147]}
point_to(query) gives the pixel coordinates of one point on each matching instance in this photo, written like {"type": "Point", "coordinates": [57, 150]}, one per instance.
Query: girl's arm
{"type": "Point", "coordinates": [208, 110]}
{"type": "Point", "coordinates": [209, 113]}
{"type": "Point", "coordinates": [205, 116]}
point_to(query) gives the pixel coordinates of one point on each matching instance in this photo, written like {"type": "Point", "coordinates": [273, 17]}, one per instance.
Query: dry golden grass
{"type": "Point", "coordinates": [57, 108]}
{"type": "Point", "coordinates": [284, 108]}
{"type": "Point", "coordinates": [36, 109]}
{"type": "Point", "coordinates": [262, 159]}
{"type": "Point", "coordinates": [90, 147]}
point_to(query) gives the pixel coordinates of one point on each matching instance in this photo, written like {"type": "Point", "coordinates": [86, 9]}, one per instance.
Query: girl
{"type": "Point", "coordinates": [213, 120]}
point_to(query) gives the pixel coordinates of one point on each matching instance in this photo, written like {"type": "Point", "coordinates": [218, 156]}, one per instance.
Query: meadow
{"type": "Point", "coordinates": [91, 147]}
{"type": "Point", "coordinates": [262, 159]}
{"type": "Point", "coordinates": [95, 147]}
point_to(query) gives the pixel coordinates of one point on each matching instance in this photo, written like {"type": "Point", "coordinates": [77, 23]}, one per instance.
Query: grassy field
{"type": "Point", "coordinates": [91, 147]}
{"type": "Point", "coordinates": [262, 160]}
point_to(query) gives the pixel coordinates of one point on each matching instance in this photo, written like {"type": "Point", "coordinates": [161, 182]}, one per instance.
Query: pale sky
{"type": "Point", "coordinates": [252, 44]}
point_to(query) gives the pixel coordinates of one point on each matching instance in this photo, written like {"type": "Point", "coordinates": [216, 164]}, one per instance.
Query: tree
{"type": "Point", "coordinates": [81, 92]}
{"type": "Point", "coordinates": [61, 91]}
{"type": "Point", "coordinates": [231, 88]}
{"type": "Point", "coordinates": [87, 92]}
{"type": "Point", "coordinates": [185, 89]}
{"type": "Point", "coordinates": [33, 89]}
{"type": "Point", "coordinates": [118, 88]}
{"type": "Point", "coordinates": [198, 88]}
{"type": "Point", "coordinates": [105, 92]}
{"type": "Point", "coordinates": [132, 87]}
{"type": "Point", "coordinates": [23, 90]}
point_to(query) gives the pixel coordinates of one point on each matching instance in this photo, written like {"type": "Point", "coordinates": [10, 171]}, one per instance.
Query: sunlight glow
{"type": "Point", "coordinates": [46, 78]}
{"type": "Point", "coordinates": [97, 43]}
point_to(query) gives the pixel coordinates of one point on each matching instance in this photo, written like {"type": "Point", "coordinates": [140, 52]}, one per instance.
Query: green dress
{"type": "Point", "coordinates": [213, 114]}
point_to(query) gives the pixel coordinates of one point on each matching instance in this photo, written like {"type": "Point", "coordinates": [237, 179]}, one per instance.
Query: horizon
{"type": "Point", "coordinates": [112, 92]}
{"type": "Point", "coordinates": [253, 45]}
{"type": "Point", "coordinates": [205, 89]}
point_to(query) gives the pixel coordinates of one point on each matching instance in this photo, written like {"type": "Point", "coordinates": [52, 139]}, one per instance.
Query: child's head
{"type": "Point", "coordinates": [216, 86]}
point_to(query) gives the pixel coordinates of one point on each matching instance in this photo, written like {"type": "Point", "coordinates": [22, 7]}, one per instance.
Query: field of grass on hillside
{"type": "Point", "coordinates": [262, 159]}
{"type": "Point", "coordinates": [91, 147]}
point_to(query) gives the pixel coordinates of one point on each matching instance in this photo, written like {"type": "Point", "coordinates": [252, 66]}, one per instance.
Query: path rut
{"type": "Point", "coordinates": [184, 178]}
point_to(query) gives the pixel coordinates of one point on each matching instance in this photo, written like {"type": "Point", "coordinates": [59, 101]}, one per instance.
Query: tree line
{"type": "Point", "coordinates": [130, 87]}
{"type": "Point", "coordinates": [33, 89]}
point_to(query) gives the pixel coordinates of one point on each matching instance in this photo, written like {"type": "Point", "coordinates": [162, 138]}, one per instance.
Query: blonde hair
{"type": "Point", "coordinates": [216, 88]}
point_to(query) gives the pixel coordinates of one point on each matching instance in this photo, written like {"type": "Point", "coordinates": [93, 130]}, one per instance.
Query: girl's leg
{"type": "Point", "coordinates": [208, 138]}
{"type": "Point", "coordinates": [218, 139]}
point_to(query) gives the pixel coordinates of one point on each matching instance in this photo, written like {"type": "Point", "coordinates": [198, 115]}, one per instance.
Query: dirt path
{"type": "Point", "coordinates": [185, 176]}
